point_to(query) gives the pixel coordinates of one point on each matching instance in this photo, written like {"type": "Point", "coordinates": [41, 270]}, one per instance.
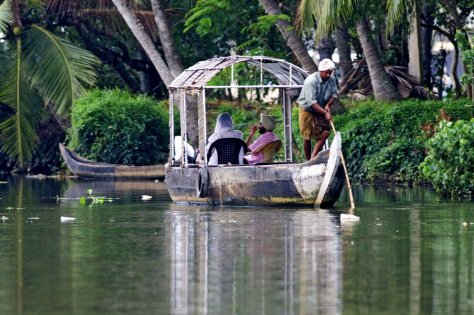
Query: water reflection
{"type": "Point", "coordinates": [243, 262]}
{"type": "Point", "coordinates": [411, 253]}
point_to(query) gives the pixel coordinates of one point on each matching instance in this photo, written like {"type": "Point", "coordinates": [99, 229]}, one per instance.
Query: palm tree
{"type": "Point", "coordinates": [42, 72]}
{"type": "Point", "coordinates": [292, 39]}
{"type": "Point", "coordinates": [329, 14]}
{"type": "Point", "coordinates": [144, 39]}
{"type": "Point", "coordinates": [168, 68]}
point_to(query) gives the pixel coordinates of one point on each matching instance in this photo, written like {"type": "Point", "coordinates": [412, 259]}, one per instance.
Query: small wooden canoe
{"type": "Point", "coordinates": [82, 167]}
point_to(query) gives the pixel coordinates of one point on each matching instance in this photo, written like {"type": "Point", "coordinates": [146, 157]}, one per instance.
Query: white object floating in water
{"type": "Point", "coordinates": [67, 219]}
{"type": "Point", "coordinates": [4, 218]}
{"type": "Point", "coordinates": [146, 197]}
{"type": "Point", "coordinates": [33, 218]}
{"type": "Point", "coordinates": [349, 218]}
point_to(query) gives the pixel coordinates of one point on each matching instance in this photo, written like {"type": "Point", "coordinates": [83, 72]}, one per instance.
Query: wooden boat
{"type": "Point", "coordinates": [316, 183]}
{"type": "Point", "coordinates": [82, 167]}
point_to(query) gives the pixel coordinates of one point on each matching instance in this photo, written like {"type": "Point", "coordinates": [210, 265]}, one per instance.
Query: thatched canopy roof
{"type": "Point", "coordinates": [197, 76]}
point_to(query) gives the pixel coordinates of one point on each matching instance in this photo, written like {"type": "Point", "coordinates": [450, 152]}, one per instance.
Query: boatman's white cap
{"type": "Point", "coordinates": [326, 65]}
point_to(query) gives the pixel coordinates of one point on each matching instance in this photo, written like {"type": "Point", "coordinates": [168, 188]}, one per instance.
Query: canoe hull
{"type": "Point", "coordinates": [82, 167]}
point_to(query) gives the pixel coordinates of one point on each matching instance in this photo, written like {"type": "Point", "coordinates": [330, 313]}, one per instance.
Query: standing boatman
{"type": "Point", "coordinates": [318, 94]}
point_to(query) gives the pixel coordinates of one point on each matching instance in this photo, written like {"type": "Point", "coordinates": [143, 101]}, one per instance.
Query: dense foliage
{"type": "Point", "coordinates": [449, 165]}
{"type": "Point", "coordinates": [46, 158]}
{"type": "Point", "coordinates": [115, 126]}
{"type": "Point", "coordinates": [386, 141]}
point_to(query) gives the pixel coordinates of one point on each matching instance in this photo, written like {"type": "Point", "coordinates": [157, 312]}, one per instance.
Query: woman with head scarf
{"type": "Point", "coordinates": [224, 129]}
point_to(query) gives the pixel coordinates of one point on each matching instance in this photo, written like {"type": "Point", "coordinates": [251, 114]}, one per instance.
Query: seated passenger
{"type": "Point", "coordinates": [265, 127]}
{"type": "Point", "coordinates": [224, 129]}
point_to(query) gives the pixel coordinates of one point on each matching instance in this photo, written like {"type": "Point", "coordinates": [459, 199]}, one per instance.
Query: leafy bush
{"type": "Point", "coordinates": [115, 126]}
{"type": "Point", "coordinates": [386, 141]}
{"type": "Point", "coordinates": [449, 165]}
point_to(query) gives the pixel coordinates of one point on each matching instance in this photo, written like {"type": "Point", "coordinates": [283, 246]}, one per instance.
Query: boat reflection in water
{"type": "Point", "coordinates": [245, 261]}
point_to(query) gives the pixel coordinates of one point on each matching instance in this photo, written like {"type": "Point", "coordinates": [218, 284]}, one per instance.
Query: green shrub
{"type": "Point", "coordinates": [449, 165]}
{"type": "Point", "coordinates": [386, 141]}
{"type": "Point", "coordinates": [115, 126]}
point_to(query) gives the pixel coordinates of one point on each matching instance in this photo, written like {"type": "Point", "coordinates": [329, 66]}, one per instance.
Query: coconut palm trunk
{"type": "Point", "coordinates": [343, 49]}
{"type": "Point", "coordinates": [291, 37]}
{"type": "Point", "coordinates": [383, 87]}
{"type": "Point", "coordinates": [426, 43]}
{"type": "Point", "coordinates": [172, 57]}
{"type": "Point", "coordinates": [144, 39]}
{"type": "Point", "coordinates": [173, 66]}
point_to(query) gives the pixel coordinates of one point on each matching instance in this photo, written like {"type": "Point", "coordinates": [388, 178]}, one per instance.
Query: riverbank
{"type": "Point", "coordinates": [383, 142]}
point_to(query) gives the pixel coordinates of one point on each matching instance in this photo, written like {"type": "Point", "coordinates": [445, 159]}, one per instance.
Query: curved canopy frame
{"type": "Point", "coordinates": [195, 79]}
{"type": "Point", "coordinates": [197, 76]}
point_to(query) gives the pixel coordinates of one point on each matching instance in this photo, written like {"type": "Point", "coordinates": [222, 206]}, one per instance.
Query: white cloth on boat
{"type": "Point", "coordinates": [224, 129]}
{"type": "Point", "coordinates": [178, 148]}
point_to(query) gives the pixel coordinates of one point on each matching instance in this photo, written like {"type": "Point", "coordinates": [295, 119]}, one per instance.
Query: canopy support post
{"type": "Point", "coordinates": [171, 125]}
{"type": "Point", "coordinates": [202, 122]}
{"type": "Point", "coordinates": [184, 129]}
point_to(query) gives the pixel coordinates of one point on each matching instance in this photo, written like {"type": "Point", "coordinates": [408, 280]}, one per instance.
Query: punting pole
{"type": "Point", "coordinates": [350, 216]}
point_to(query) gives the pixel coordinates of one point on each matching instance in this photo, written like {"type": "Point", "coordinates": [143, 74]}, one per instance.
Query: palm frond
{"type": "Point", "coordinates": [358, 80]}
{"type": "Point", "coordinates": [306, 14]}
{"type": "Point", "coordinates": [329, 17]}
{"type": "Point", "coordinates": [6, 17]}
{"type": "Point", "coordinates": [394, 12]}
{"type": "Point", "coordinates": [18, 136]}
{"type": "Point", "coordinates": [399, 9]}
{"type": "Point", "coordinates": [57, 68]}
{"type": "Point", "coordinates": [332, 12]}
{"type": "Point", "coordinates": [71, 7]}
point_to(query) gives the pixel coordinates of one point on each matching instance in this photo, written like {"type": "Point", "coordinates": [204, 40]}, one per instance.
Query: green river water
{"type": "Point", "coordinates": [411, 253]}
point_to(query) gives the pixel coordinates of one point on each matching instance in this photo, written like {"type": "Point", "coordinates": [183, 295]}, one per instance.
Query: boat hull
{"type": "Point", "coordinates": [82, 167]}
{"type": "Point", "coordinates": [253, 185]}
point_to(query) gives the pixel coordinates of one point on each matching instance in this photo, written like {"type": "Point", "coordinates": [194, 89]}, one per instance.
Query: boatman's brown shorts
{"type": "Point", "coordinates": [312, 125]}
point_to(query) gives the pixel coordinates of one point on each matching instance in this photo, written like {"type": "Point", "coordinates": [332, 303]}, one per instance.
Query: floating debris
{"type": "Point", "coordinates": [349, 218]}
{"type": "Point", "coordinates": [67, 219]}
{"type": "Point", "coordinates": [146, 197]}
{"type": "Point", "coordinates": [4, 218]}
{"type": "Point", "coordinates": [33, 218]}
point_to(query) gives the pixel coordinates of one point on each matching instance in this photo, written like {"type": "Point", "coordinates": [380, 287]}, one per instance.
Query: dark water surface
{"type": "Point", "coordinates": [411, 253]}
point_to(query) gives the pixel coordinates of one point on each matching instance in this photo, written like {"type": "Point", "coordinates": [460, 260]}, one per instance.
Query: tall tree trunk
{"type": "Point", "coordinates": [325, 48]}
{"type": "Point", "coordinates": [145, 40]}
{"type": "Point", "coordinates": [414, 44]}
{"type": "Point", "coordinates": [452, 7]}
{"type": "Point", "coordinates": [343, 49]}
{"type": "Point", "coordinates": [166, 38]}
{"type": "Point", "coordinates": [383, 87]}
{"type": "Point", "coordinates": [173, 58]}
{"type": "Point", "coordinates": [457, 82]}
{"type": "Point", "coordinates": [167, 73]}
{"type": "Point", "coordinates": [291, 37]}
{"type": "Point", "coordinates": [426, 38]}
